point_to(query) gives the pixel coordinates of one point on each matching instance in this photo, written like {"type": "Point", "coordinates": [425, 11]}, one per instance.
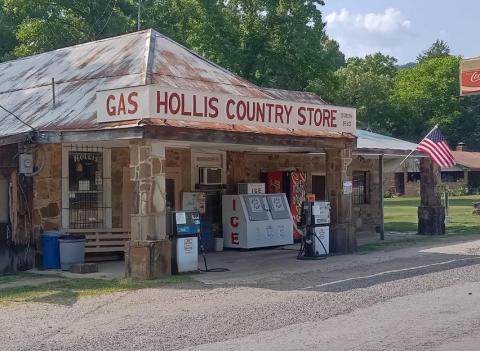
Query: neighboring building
{"type": "Point", "coordinates": [464, 177]}
{"type": "Point", "coordinates": [108, 166]}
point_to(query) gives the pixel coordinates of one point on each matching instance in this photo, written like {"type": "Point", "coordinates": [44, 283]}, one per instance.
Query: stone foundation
{"type": "Point", "coordinates": [148, 259]}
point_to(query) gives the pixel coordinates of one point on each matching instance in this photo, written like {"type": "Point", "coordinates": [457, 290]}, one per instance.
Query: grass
{"type": "Point", "coordinates": [401, 221]}
{"type": "Point", "coordinates": [66, 291]}
{"type": "Point", "coordinates": [401, 215]}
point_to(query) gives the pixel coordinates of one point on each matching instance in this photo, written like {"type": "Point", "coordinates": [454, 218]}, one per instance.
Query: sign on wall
{"type": "Point", "coordinates": [470, 76]}
{"type": "Point", "coordinates": [153, 101]}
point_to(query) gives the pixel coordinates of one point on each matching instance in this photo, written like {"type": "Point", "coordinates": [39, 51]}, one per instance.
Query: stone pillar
{"type": "Point", "coordinates": [148, 254]}
{"type": "Point", "coordinates": [342, 235]}
{"type": "Point", "coordinates": [431, 213]}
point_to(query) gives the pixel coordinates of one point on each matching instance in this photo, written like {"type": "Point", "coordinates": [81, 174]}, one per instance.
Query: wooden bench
{"type": "Point", "coordinates": [103, 240]}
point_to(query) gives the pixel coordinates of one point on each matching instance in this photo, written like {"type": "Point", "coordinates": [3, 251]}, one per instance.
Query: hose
{"type": "Point", "coordinates": [208, 270]}
{"type": "Point", "coordinates": [302, 251]}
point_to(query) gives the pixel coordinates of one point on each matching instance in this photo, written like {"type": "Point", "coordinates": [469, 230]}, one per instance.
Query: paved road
{"type": "Point", "coordinates": [407, 300]}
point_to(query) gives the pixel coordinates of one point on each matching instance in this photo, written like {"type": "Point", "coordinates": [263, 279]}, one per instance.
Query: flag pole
{"type": "Point", "coordinates": [426, 136]}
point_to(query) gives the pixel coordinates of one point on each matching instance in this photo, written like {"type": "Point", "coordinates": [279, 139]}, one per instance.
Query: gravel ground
{"type": "Point", "coordinates": [171, 319]}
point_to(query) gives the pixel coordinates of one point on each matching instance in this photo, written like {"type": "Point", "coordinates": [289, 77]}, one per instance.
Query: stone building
{"type": "Point", "coordinates": [108, 165]}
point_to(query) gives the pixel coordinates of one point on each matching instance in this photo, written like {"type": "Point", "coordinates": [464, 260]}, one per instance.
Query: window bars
{"type": "Point", "coordinates": [361, 187]}
{"type": "Point", "coordinates": [87, 207]}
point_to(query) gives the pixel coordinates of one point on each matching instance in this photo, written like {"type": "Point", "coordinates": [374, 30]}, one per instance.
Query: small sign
{"type": "Point", "coordinates": [347, 187]}
{"type": "Point", "coordinates": [188, 245]}
{"type": "Point", "coordinates": [181, 218]}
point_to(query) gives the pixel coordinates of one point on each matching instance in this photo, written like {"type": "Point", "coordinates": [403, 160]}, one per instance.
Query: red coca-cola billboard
{"type": "Point", "coordinates": [470, 76]}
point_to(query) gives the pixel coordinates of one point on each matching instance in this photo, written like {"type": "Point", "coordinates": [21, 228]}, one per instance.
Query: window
{"type": "Point", "coordinates": [361, 187]}
{"type": "Point", "coordinates": [413, 177]}
{"type": "Point", "coordinates": [456, 176]}
{"type": "Point", "coordinates": [85, 188]}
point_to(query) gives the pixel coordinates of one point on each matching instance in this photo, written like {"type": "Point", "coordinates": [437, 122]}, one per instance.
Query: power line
{"type": "Point", "coordinates": [18, 118]}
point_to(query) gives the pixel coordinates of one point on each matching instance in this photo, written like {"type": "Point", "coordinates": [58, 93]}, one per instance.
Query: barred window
{"type": "Point", "coordinates": [361, 187]}
{"type": "Point", "coordinates": [85, 184]}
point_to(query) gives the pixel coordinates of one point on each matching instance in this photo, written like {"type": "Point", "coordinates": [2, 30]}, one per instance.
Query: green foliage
{"type": "Point", "coordinates": [280, 44]}
{"type": "Point", "coordinates": [46, 25]}
{"type": "Point", "coordinates": [366, 83]}
{"type": "Point", "coordinates": [439, 48]}
{"type": "Point", "coordinates": [425, 95]}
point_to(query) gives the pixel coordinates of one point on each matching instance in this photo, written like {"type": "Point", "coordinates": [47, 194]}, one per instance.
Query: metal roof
{"type": "Point", "coordinates": [139, 58]}
{"type": "Point", "coordinates": [300, 96]}
{"type": "Point", "coordinates": [468, 159]}
{"type": "Point", "coordinates": [369, 142]}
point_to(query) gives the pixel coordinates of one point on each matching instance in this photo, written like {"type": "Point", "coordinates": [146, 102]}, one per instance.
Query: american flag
{"type": "Point", "coordinates": [436, 147]}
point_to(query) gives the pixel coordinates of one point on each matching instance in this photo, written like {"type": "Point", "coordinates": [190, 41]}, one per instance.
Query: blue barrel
{"type": "Point", "coordinates": [51, 250]}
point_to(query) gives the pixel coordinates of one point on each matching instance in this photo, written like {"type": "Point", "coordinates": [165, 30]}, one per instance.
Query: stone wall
{"type": "Point", "coordinates": [247, 168]}
{"type": "Point", "coordinates": [120, 162]}
{"type": "Point", "coordinates": [181, 158]}
{"type": "Point", "coordinates": [47, 189]}
{"type": "Point", "coordinates": [366, 217]}
{"type": "Point", "coordinates": [243, 167]}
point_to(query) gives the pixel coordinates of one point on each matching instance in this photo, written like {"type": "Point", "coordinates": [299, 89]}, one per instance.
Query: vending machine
{"type": "Point", "coordinates": [293, 184]}
{"type": "Point", "coordinates": [256, 220]}
{"type": "Point", "coordinates": [183, 227]}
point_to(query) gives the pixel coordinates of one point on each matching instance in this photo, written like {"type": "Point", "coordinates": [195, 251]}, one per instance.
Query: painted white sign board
{"type": "Point", "coordinates": [153, 101]}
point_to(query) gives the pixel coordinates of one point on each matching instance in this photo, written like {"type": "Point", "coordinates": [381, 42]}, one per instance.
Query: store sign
{"type": "Point", "coordinates": [153, 101]}
{"type": "Point", "coordinates": [470, 77]}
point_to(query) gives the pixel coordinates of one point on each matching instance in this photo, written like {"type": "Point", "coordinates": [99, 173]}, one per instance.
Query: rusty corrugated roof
{"type": "Point", "coordinates": [299, 96]}
{"type": "Point", "coordinates": [144, 57]}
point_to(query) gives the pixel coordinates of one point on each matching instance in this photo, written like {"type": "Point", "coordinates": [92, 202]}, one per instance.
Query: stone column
{"type": "Point", "coordinates": [149, 251]}
{"type": "Point", "coordinates": [342, 235]}
{"type": "Point", "coordinates": [431, 213]}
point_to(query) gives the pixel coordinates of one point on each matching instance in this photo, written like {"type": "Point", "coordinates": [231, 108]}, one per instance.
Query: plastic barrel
{"type": "Point", "coordinates": [72, 250]}
{"type": "Point", "coordinates": [51, 251]}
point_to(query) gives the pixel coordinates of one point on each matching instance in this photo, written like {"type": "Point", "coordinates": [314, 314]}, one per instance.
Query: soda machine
{"type": "Point", "coordinates": [293, 184]}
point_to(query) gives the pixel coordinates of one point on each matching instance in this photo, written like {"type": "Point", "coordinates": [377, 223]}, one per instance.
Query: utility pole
{"type": "Point", "coordinates": [139, 26]}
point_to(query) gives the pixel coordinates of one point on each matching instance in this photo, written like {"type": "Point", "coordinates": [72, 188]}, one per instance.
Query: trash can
{"type": "Point", "coordinates": [50, 248]}
{"type": "Point", "coordinates": [72, 250]}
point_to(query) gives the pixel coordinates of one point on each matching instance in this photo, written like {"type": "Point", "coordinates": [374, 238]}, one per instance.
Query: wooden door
{"type": "Point", "coordinates": [173, 188]}
{"type": "Point", "coordinates": [318, 187]}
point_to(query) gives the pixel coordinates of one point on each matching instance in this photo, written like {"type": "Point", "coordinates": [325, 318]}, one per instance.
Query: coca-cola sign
{"type": "Point", "coordinates": [470, 77]}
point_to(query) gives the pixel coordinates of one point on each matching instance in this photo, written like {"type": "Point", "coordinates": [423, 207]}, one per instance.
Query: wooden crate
{"type": "Point", "coordinates": [103, 240]}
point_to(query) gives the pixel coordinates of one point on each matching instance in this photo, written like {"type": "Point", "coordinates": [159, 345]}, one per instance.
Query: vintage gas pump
{"type": "Point", "coordinates": [183, 227]}
{"type": "Point", "coordinates": [315, 224]}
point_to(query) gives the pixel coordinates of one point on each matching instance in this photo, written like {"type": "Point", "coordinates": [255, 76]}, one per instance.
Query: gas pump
{"type": "Point", "coordinates": [315, 225]}
{"type": "Point", "coordinates": [184, 228]}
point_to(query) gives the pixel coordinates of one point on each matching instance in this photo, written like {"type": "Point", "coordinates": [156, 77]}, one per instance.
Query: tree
{"type": "Point", "coordinates": [46, 25]}
{"type": "Point", "coordinates": [439, 48]}
{"type": "Point", "coordinates": [366, 83]}
{"type": "Point", "coordinates": [7, 35]}
{"type": "Point", "coordinates": [279, 44]}
{"type": "Point", "coordinates": [282, 44]}
{"type": "Point", "coordinates": [425, 95]}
